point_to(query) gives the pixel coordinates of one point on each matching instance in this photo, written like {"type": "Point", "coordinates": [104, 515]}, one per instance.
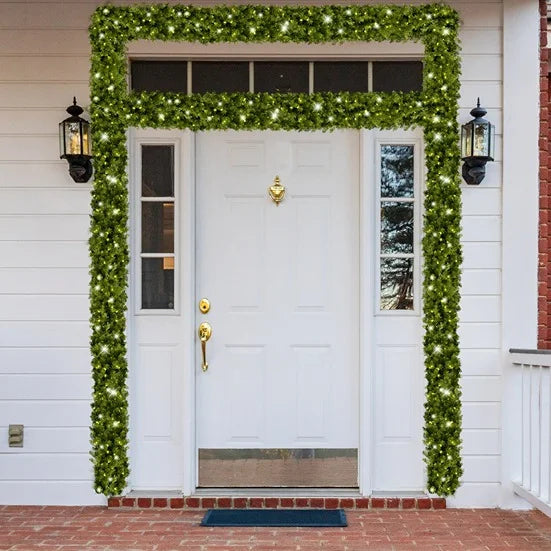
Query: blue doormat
{"type": "Point", "coordinates": [274, 517]}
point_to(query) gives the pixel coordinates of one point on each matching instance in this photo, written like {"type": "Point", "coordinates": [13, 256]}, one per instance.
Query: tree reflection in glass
{"type": "Point", "coordinates": [396, 171]}
{"type": "Point", "coordinates": [396, 227]}
{"type": "Point", "coordinates": [397, 284]}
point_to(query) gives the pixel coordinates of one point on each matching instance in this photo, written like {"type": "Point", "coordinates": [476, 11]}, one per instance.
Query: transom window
{"type": "Point", "coordinates": [196, 77]}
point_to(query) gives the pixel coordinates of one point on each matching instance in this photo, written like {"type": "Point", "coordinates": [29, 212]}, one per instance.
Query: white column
{"type": "Point", "coordinates": [520, 211]}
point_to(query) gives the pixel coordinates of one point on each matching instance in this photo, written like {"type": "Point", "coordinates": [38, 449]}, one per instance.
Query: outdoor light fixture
{"type": "Point", "coordinates": [477, 145]}
{"type": "Point", "coordinates": [75, 144]}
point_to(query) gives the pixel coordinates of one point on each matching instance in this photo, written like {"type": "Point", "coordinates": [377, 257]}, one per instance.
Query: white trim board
{"type": "Point", "coordinates": [146, 49]}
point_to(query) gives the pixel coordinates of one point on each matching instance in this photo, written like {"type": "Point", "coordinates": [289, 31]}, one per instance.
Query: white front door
{"type": "Point", "coordinates": [283, 284]}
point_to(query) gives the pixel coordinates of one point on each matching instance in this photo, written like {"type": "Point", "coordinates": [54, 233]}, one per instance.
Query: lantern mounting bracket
{"type": "Point", "coordinates": [80, 168]}
{"type": "Point", "coordinates": [474, 170]}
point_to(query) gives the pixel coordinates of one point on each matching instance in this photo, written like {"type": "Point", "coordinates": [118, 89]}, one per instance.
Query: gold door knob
{"type": "Point", "coordinates": [277, 191]}
{"type": "Point", "coordinates": [205, 331]}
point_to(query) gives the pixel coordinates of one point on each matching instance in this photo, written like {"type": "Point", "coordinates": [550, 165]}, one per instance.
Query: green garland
{"type": "Point", "coordinates": [114, 109]}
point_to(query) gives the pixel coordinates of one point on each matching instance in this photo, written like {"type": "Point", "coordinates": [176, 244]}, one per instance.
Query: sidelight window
{"type": "Point", "coordinates": [157, 227]}
{"type": "Point", "coordinates": [396, 227]}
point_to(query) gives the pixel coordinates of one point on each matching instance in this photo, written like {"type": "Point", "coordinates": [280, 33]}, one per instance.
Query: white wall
{"type": "Point", "coordinates": [44, 362]}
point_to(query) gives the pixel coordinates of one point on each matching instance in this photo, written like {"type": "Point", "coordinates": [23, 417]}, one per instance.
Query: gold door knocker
{"type": "Point", "coordinates": [277, 191]}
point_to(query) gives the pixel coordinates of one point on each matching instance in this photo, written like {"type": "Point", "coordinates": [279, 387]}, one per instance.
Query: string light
{"type": "Point", "coordinates": [114, 109]}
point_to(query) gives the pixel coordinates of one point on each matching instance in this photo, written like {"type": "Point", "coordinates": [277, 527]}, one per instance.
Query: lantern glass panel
{"type": "Point", "coordinates": [466, 140]}
{"type": "Point", "coordinates": [72, 138]}
{"type": "Point", "coordinates": [492, 151]}
{"type": "Point", "coordinates": [481, 139]}
{"type": "Point", "coordinates": [86, 139]}
{"type": "Point", "coordinates": [61, 139]}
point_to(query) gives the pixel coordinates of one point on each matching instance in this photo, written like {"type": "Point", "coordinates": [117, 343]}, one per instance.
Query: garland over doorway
{"type": "Point", "coordinates": [114, 109]}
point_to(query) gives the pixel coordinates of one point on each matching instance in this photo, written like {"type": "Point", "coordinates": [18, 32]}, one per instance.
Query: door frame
{"type": "Point", "coordinates": [366, 228]}
{"type": "Point", "coordinates": [184, 140]}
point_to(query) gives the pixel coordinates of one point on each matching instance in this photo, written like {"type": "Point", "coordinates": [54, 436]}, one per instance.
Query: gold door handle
{"type": "Point", "coordinates": [205, 331]}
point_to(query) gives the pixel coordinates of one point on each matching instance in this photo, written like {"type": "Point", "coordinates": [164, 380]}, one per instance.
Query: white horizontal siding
{"type": "Point", "coordinates": [52, 95]}
{"type": "Point", "coordinates": [45, 227]}
{"type": "Point", "coordinates": [44, 281]}
{"type": "Point", "coordinates": [37, 121]}
{"type": "Point", "coordinates": [41, 147]}
{"type": "Point", "coordinates": [481, 388]}
{"type": "Point", "coordinates": [480, 308]}
{"type": "Point", "coordinates": [481, 255]}
{"type": "Point", "coordinates": [476, 67]}
{"type": "Point", "coordinates": [480, 335]}
{"type": "Point", "coordinates": [46, 492]}
{"type": "Point", "coordinates": [481, 468]}
{"type": "Point", "coordinates": [75, 466]}
{"type": "Point", "coordinates": [45, 387]}
{"type": "Point", "coordinates": [46, 42]}
{"type": "Point", "coordinates": [44, 307]}
{"type": "Point", "coordinates": [476, 494]}
{"type": "Point", "coordinates": [481, 415]}
{"type": "Point", "coordinates": [476, 442]}
{"type": "Point", "coordinates": [44, 222]}
{"type": "Point", "coordinates": [481, 228]}
{"type": "Point", "coordinates": [479, 361]}
{"type": "Point", "coordinates": [481, 281]}
{"type": "Point", "coordinates": [64, 200]}
{"type": "Point", "coordinates": [41, 361]}
{"type": "Point", "coordinates": [34, 173]}
{"type": "Point", "coordinates": [473, 41]}
{"type": "Point", "coordinates": [43, 254]}
{"type": "Point", "coordinates": [49, 440]}
{"type": "Point", "coordinates": [44, 333]}
{"type": "Point", "coordinates": [33, 69]}
{"type": "Point", "coordinates": [46, 413]}
{"type": "Point", "coordinates": [481, 201]}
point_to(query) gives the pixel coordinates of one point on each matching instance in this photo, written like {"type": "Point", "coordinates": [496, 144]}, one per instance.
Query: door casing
{"type": "Point", "coordinates": [187, 298]}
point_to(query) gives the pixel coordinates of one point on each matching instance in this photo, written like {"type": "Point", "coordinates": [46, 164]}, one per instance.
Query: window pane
{"type": "Point", "coordinates": [219, 76]}
{"type": "Point", "coordinates": [157, 227]}
{"type": "Point", "coordinates": [157, 171]}
{"type": "Point", "coordinates": [396, 228]}
{"type": "Point", "coordinates": [396, 284]}
{"type": "Point", "coordinates": [349, 76]}
{"type": "Point", "coordinates": [397, 76]}
{"type": "Point", "coordinates": [285, 76]}
{"type": "Point", "coordinates": [162, 76]}
{"type": "Point", "coordinates": [158, 283]}
{"type": "Point", "coordinates": [396, 171]}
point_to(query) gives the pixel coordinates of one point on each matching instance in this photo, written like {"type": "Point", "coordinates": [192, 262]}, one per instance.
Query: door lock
{"type": "Point", "coordinates": [204, 305]}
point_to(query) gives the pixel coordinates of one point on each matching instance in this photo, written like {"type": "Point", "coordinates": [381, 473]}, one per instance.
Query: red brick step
{"type": "Point", "coordinates": [228, 502]}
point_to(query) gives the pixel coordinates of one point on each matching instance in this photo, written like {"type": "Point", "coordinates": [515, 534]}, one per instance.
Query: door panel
{"type": "Point", "coordinates": [283, 284]}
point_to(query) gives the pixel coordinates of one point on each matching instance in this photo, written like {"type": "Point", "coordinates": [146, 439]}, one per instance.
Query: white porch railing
{"type": "Point", "coordinates": [533, 470]}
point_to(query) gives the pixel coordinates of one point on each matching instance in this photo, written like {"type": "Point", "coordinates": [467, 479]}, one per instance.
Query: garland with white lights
{"type": "Point", "coordinates": [114, 109]}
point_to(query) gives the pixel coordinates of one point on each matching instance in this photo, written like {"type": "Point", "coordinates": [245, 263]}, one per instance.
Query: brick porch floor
{"type": "Point", "coordinates": [98, 528]}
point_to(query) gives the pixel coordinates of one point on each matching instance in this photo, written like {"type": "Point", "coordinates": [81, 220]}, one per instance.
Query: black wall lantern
{"type": "Point", "coordinates": [477, 145]}
{"type": "Point", "coordinates": [75, 144]}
